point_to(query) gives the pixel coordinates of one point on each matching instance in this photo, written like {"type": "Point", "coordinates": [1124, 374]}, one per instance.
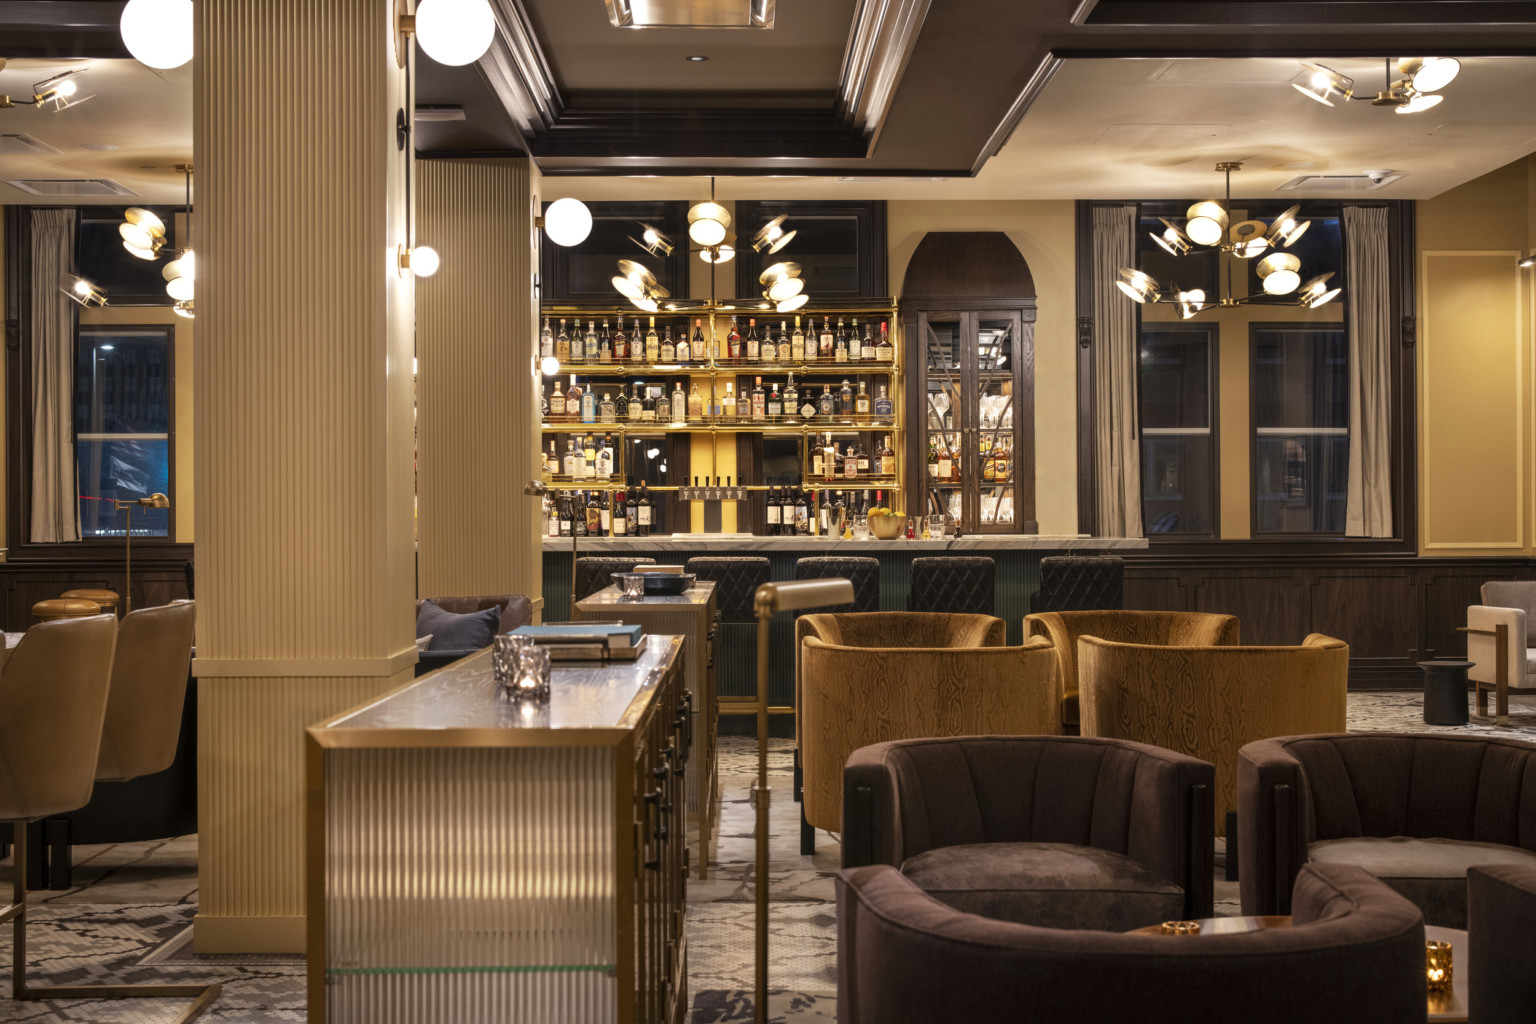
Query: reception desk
{"type": "Point", "coordinates": [470, 859]}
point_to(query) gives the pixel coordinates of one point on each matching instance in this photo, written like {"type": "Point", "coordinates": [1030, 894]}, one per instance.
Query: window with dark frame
{"type": "Point", "coordinates": [1176, 393]}
{"type": "Point", "coordinates": [122, 420]}
{"type": "Point", "coordinates": [1299, 379]}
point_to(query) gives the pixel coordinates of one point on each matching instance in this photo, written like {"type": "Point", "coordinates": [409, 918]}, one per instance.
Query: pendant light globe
{"type": "Point", "coordinates": [158, 32]}
{"type": "Point", "coordinates": [455, 32]}
{"type": "Point", "coordinates": [567, 222]}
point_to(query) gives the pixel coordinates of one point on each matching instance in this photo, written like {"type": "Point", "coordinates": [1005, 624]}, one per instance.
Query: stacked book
{"type": "Point", "coordinates": [587, 641]}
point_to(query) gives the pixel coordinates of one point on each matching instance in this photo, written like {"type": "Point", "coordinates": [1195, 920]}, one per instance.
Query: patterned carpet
{"type": "Point", "coordinates": [129, 917]}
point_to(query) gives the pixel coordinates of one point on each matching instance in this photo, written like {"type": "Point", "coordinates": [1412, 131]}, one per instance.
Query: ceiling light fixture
{"type": "Point", "coordinates": [696, 58]}
{"type": "Point", "coordinates": [653, 241]}
{"type": "Point", "coordinates": [1414, 92]}
{"type": "Point", "coordinates": [158, 32]}
{"type": "Point", "coordinates": [142, 232]}
{"type": "Point", "coordinates": [772, 235]}
{"type": "Point", "coordinates": [82, 291]}
{"type": "Point", "coordinates": [60, 91]}
{"type": "Point", "coordinates": [181, 273]}
{"type": "Point", "coordinates": [1527, 261]}
{"type": "Point", "coordinates": [1207, 225]}
{"type": "Point", "coordinates": [452, 32]}
{"type": "Point", "coordinates": [637, 284]}
{"type": "Point", "coordinates": [566, 222]}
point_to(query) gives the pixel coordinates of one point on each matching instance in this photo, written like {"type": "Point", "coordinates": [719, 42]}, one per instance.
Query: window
{"type": "Point", "coordinates": [840, 246]}
{"type": "Point", "coordinates": [584, 272]}
{"type": "Point", "coordinates": [122, 427]}
{"type": "Point", "coordinates": [102, 260]}
{"type": "Point", "coordinates": [1178, 450]}
{"type": "Point", "coordinates": [1300, 382]}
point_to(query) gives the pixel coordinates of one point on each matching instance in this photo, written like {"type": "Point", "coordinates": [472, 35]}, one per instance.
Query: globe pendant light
{"type": "Point", "coordinates": [567, 222]}
{"type": "Point", "coordinates": [455, 32]}
{"type": "Point", "coordinates": [158, 32]}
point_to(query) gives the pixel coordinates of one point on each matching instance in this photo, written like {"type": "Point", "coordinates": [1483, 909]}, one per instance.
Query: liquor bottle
{"type": "Point", "coordinates": [551, 462]}
{"type": "Point", "coordinates": [620, 342]}
{"type": "Point", "coordinates": [862, 456]}
{"type": "Point", "coordinates": [887, 458]}
{"type": "Point", "coordinates": [884, 408]}
{"type": "Point", "coordinates": [578, 514]}
{"type": "Point", "coordinates": [605, 345]}
{"type": "Point", "coordinates": [728, 404]}
{"type": "Point", "coordinates": [863, 347]}
{"type": "Point", "coordinates": [595, 525]}
{"type": "Point", "coordinates": [645, 511]}
{"type": "Point", "coordinates": [861, 403]}
{"type": "Point", "coordinates": [845, 400]}
{"type": "Point", "coordinates": [563, 344]}
{"type": "Point", "coordinates": [733, 343]}
{"type": "Point", "coordinates": [786, 347]}
{"type": "Point", "coordinates": [543, 405]}
{"type": "Point", "coordinates": [754, 344]}
{"type": "Point", "coordinates": [588, 406]}
{"type": "Point", "coordinates": [565, 519]}
{"type": "Point", "coordinates": [605, 458]}
{"type": "Point", "coordinates": [604, 517]}
{"type": "Point", "coordinates": [573, 401]}
{"type": "Point", "coordinates": [946, 461]}
{"type": "Point", "coordinates": [632, 512]}
{"type": "Point", "coordinates": [815, 460]}
{"type": "Point", "coordinates": [589, 343]}
{"type": "Point", "coordinates": [552, 516]}
{"type": "Point", "coordinates": [607, 410]}
{"type": "Point", "coordinates": [933, 459]}
{"type": "Point", "coordinates": [699, 353]}
{"type": "Point", "coordinates": [884, 351]}
{"type": "Point", "coordinates": [791, 398]}
{"type": "Point", "coordinates": [712, 410]}
{"type": "Point", "coordinates": [546, 341]}
{"type": "Point", "coordinates": [832, 462]}
{"type": "Point", "coordinates": [648, 407]}
{"type": "Point", "coordinates": [840, 344]}
{"type": "Point", "coordinates": [620, 406]}
{"type": "Point", "coordinates": [775, 513]}
{"type": "Point", "coordinates": [556, 403]}
{"type": "Point", "coordinates": [797, 344]}
{"type": "Point", "coordinates": [802, 515]}
{"type": "Point", "coordinates": [679, 403]}
{"type": "Point", "coordinates": [589, 453]}
{"type": "Point", "coordinates": [637, 403]}
{"type": "Point", "coordinates": [775, 404]}
{"type": "Point", "coordinates": [683, 352]}
{"type": "Point", "coordinates": [572, 456]}
{"type": "Point", "coordinates": [824, 342]}
{"type": "Point", "coordinates": [620, 515]}
{"type": "Point", "coordinates": [636, 344]}
{"type": "Point", "coordinates": [652, 343]}
{"type": "Point", "coordinates": [824, 406]}
{"type": "Point", "coordinates": [743, 406]}
{"type": "Point", "coordinates": [695, 404]}
{"type": "Point", "coordinates": [759, 401]}
{"type": "Point", "coordinates": [850, 463]}
{"type": "Point", "coordinates": [668, 349]}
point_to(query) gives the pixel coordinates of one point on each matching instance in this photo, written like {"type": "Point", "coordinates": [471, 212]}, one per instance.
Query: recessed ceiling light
{"type": "Point", "coordinates": [100, 147]}
{"type": "Point", "coordinates": [696, 57]}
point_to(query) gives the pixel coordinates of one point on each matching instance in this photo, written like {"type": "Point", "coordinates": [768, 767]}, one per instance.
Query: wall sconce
{"type": "Point", "coordinates": [452, 32]}
{"type": "Point", "coordinates": [82, 291]}
{"type": "Point", "coordinates": [421, 260]}
{"type": "Point", "coordinates": [158, 32]}
{"type": "Point", "coordinates": [567, 222]}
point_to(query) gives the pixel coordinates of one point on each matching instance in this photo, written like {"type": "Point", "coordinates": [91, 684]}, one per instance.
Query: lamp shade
{"type": "Point", "coordinates": [567, 222]}
{"type": "Point", "coordinates": [1191, 302]}
{"type": "Point", "coordinates": [1171, 239]}
{"type": "Point", "coordinates": [1420, 103]}
{"type": "Point", "coordinates": [785, 288]}
{"type": "Point", "coordinates": [424, 261]}
{"type": "Point", "coordinates": [455, 32]}
{"type": "Point", "coordinates": [179, 288]}
{"type": "Point", "coordinates": [707, 223]}
{"type": "Point", "coordinates": [158, 32]}
{"type": "Point", "coordinates": [1207, 223]}
{"type": "Point", "coordinates": [1278, 272]}
{"type": "Point", "coordinates": [1430, 74]}
{"type": "Point", "coordinates": [792, 303]}
{"type": "Point", "coordinates": [1321, 83]}
{"type": "Point", "coordinates": [1317, 293]}
{"type": "Point", "coordinates": [1138, 285]}
{"type": "Point", "coordinates": [718, 254]}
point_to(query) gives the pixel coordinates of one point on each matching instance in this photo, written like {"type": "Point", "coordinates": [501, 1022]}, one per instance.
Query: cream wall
{"type": "Point", "coordinates": [1477, 487]}
{"type": "Point", "coordinates": [1045, 235]}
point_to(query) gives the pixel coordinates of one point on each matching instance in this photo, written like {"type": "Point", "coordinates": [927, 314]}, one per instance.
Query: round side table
{"type": "Point", "coordinates": [1445, 691]}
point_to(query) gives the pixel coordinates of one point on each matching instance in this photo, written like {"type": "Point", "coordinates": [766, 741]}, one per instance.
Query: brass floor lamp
{"type": "Point", "coordinates": [769, 599]}
{"type": "Point", "coordinates": [156, 500]}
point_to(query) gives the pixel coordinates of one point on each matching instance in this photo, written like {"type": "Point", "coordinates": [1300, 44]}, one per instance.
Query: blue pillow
{"type": "Point", "coordinates": [451, 632]}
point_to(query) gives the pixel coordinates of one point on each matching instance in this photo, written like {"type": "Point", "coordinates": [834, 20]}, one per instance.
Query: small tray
{"type": "Point", "coordinates": [658, 582]}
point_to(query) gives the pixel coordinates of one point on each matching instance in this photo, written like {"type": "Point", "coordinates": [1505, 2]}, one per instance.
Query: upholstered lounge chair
{"type": "Point", "coordinates": [1056, 831]}
{"type": "Point", "coordinates": [1165, 629]}
{"type": "Point", "coordinates": [1355, 954]}
{"type": "Point", "coordinates": [1501, 644]}
{"type": "Point", "coordinates": [1501, 918]}
{"type": "Point", "coordinates": [1208, 701]}
{"type": "Point", "coordinates": [1415, 810]}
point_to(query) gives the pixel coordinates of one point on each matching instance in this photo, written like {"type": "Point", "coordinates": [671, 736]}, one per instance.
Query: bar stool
{"type": "Point", "coordinates": [106, 600]}
{"type": "Point", "coordinates": [1071, 583]}
{"type": "Point", "coordinates": [862, 572]}
{"type": "Point", "coordinates": [592, 574]}
{"type": "Point", "coordinates": [953, 583]}
{"type": "Point", "coordinates": [736, 579]}
{"type": "Point", "coordinates": [64, 608]}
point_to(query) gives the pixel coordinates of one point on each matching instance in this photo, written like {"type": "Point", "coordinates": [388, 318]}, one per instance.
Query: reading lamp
{"type": "Point", "coordinates": [769, 599]}
{"type": "Point", "coordinates": [156, 500]}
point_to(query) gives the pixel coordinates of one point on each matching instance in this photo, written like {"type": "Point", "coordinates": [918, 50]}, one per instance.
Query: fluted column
{"type": "Point", "coordinates": [303, 423]}
{"type": "Point", "coordinates": [477, 396]}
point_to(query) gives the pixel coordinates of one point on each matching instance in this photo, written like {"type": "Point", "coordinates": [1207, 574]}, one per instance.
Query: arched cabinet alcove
{"type": "Point", "coordinates": [968, 317]}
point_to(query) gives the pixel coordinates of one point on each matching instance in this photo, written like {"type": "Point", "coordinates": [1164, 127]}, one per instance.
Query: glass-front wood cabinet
{"type": "Point", "coordinates": [971, 396]}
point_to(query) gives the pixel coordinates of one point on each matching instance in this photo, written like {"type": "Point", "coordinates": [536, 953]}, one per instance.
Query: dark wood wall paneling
{"type": "Point", "coordinates": [156, 581]}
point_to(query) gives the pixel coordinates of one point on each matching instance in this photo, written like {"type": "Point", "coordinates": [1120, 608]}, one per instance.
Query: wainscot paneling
{"type": "Point", "coordinates": [24, 583]}
{"type": "Point", "coordinates": [1393, 611]}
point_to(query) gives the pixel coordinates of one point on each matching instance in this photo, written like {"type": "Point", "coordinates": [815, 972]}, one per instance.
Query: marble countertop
{"type": "Point", "coordinates": [825, 545]}
{"type": "Point", "coordinates": [461, 705]}
{"type": "Point", "coordinates": [612, 597]}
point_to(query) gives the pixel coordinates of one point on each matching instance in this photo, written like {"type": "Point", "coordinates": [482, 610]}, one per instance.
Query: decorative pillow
{"type": "Point", "coordinates": [450, 632]}
{"type": "Point", "coordinates": [423, 643]}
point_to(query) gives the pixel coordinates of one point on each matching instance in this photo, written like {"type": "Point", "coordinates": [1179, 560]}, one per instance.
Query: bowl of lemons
{"type": "Point", "coordinates": [885, 524]}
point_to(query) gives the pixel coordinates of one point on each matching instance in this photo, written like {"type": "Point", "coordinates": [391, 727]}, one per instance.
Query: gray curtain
{"type": "Point", "coordinates": [54, 487]}
{"type": "Point", "coordinates": [1117, 447]}
{"type": "Point", "coordinates": [1368, 510]}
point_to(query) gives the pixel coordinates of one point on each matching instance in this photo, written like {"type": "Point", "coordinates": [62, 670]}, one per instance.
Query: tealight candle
{"type": "Point", "coordinates": [1437, 965]}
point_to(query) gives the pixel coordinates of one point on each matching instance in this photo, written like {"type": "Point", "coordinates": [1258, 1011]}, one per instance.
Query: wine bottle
{"type": "Point", "coordinates": [605, 345]}
{"type": "Point", "coordinates": [668, 349]}
{"type": "Point", "coordinates": [620, 344]}
{"type": "Point", "coordinates": [824, 342]}
{"type": "Point", "coordinates": [797, 344]}
{"type": "Point", "coordinates": [565, 519]}
{"type": "Point", "coordinates": [620, 515]}
{"type": "Point", "coordinates": [645, 511]}
{"type": "Point", "coordinates": [754, 344]}
{"type": "Point", "coordinates": [775, 513]}
{"type": "Point", "coordinates": [652, 343]}
{"type": "Point", "coordinates": [632, 511]}
{"type": "Point", "coordinates": [884, 351]}
{"type": "Point", "coordinates": [563, 344]}
{"type": "Point", "coordinates": [578, 515]}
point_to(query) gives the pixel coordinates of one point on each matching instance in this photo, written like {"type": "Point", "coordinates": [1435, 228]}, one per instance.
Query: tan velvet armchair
{"type": "Point", "coordinates": [1209, 701]}
{"type": "Point", "coordinates": [1164, 629]}
{"type": "Point", "coordinates": [903, 675]}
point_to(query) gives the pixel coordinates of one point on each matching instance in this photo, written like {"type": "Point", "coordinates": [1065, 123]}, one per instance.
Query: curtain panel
{"type": "Point", "coordinates": [1116, 444]}
{"type": "Point", "coordinates": [55, 510]}
{"type": "Point", "coordinates": [1368, 506]}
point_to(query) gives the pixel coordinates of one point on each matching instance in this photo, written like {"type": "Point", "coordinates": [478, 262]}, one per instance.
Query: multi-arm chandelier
{"type": "Point", "coordinates": [1207, 225]}
{"type": "Point", "coordinates": [1423, 78]}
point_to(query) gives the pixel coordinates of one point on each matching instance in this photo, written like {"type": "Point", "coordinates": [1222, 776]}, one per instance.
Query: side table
{"type": "Point", "coordinates": [1445, 691]}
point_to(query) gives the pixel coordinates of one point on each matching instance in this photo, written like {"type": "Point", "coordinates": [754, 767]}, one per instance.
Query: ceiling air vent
{"type": "Point", "coordinates": [1336, 183]}
{"type": "Point", "coordinates": [22, 144]}
{"type": "Point", "coordinates": [70, 187]}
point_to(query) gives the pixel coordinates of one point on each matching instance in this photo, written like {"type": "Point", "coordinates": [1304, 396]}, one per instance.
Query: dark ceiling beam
{"type": "Point", "coordinates": [1402, 13]}
{"type": "Point", "coordinates": [880, 42]}
{"type": "Point", "coordinates": [62, 28]}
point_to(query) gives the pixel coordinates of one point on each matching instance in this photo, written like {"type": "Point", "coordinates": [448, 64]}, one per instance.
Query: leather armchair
{"type": "Point", "coordinates": [1209, 701]}
{"type": "Point", "coordinates": [1356, 954]}
{"type": "Point", "coordinates": [1415, 810]}
{"type": "Point", "coordinates": [1165, 629]}
{"type": "Point", "coordinates": [1059, 831]}
{"type": "Point", "coordinates": [1501, 918]}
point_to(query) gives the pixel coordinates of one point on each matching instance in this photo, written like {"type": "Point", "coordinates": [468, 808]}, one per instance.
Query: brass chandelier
{"type": "Point", "coordinates": [1417, 90]}
{"type": "Point", "coordinates": [1208, 226]}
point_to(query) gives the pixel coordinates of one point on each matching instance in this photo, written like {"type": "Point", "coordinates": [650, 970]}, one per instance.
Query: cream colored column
{"type": "Point", "coordinates": [477, 382]}
{"type": "Point", "coordinates": [303, 420]}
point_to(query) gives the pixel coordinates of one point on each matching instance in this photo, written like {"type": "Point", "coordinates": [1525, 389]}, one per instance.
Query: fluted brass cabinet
{"type": "Point", "coordinates": [471, 859]}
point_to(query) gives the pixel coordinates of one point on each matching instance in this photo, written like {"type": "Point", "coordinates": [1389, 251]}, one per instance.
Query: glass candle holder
{"type": "Point", "coordinates": [1181, 927]}
{"type": "Point", "coordinates": [1437, 965]}
{"type": "Point", "coordinates": [504, 656]}
{"type": "Point", "coordinates": [861, 527]}
{"type": "Point", "coordinates": [633, 585]}
{"type": "Point", "coordinates": [532, 681]}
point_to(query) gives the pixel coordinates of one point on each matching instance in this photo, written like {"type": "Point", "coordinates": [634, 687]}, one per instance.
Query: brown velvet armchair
{"type": "Point", "coordinates": [1164, 629]}
{"type": "Point", "coordinates": [1501, 918]}
{"type": "Point", "coordinates": [1209, 701]}
{"type": "Point", "coordinates": [867, 678]}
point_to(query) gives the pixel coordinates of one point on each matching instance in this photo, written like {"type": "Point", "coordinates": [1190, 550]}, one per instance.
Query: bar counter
{"type": "Point", "coordinates": [731, 544]}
